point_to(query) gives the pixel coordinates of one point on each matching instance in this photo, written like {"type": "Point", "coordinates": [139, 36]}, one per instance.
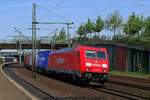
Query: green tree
{"type": "Point", "coordinates": [133, 25]}
{"type": "Point", "coordinates": [55, 38]}
{"type": "Point", "coordinates": [95, 37]}
{"type": "Point", "coordinates": [99, 25]}
{"type": "Point", "coordinates": [113, 22]}
{"type": "Point", "coordinates": [62, 35]}
{"type": "Point", "coordinates": [81, 31]}
{"type": "Point", "coordinates": [146, 27]}
{"type": "Point", "coordinates": [89, 27]}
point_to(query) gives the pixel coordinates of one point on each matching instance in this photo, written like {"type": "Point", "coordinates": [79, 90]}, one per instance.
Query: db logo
{"type": "Point", "coordinates": [60, 60]}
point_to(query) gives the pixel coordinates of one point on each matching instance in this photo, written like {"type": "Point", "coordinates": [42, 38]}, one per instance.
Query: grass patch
{"type": "Point", "coordinates": [1, 61]}
{"type": "Point", "coordinates": [131, 74]}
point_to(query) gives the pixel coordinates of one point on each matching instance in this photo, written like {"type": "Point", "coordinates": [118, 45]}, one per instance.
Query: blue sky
{"type": "Point", "coordinates": [18, 13]}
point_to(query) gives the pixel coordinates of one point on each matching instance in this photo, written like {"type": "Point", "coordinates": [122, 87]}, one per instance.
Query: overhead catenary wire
{"type": "Point", "coordinates": [21, 34]}
{"type": "Point", "coordinates": [28, 23]}
{"type": "Point", "coordinates": [60, 16]}
{"type": "Point", "coordinates": [43, 28]}
{"type": "Point", "coordinates": [110, 7]}
{"type": "Point", "coordinates": [57, 5]}
{"type": "Point", "coordinates": [51, 10]}
{"type": "Point", "coordinates": [39, 7]}
{"type": "Point", "coordinates": [43, 5]}
{"type": "Point", "coordinates": [48, 35]}
{"type": "Point", "coordinates": [57, 15]}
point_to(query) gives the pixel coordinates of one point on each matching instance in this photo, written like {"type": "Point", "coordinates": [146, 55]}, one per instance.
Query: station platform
{"type": "Point", "coordinates": [8, 91]}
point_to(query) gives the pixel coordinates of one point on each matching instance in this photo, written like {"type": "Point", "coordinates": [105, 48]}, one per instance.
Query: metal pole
{"type": "Point", "coordinates": [68, 35]}
{"type": "Point", "coordinates": [20, 55]}
{"type": "Point", "coordinates": [34, 40]}
{"type": "Point", "coordinates": [54, 40]}
{"type": "Point", "coordinates": [38, 45]}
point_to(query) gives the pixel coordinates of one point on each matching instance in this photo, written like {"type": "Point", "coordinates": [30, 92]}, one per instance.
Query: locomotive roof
{"type": "Point", "coordinates": [63, 50]}
{"type": "Point", "coordinates": [41, 51]}
{"type": "Point", "coordinates": [70, 49]}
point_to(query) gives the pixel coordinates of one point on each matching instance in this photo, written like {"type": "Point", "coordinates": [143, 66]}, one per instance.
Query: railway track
{"type": "Point", "coordinates": [37, 92]}
{"type": "Point", "coordinates": [124, 94]}
{"type": "Point", "coordinates": [120, 93]}
{"type": "Point", "coordinates": [131, 82]}
{"type": "Point", "coordinates": [43, 95]}
{"type": "Point", "coordinates": [132, 78]}
{"type": "Point", "coordinates": [131, 85]}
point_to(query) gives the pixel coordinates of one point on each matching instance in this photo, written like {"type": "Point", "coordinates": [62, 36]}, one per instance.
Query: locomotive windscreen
{"type": "Point", "coordinates": [90, 54]}
{"type": "Point", "coordinates": [94, 54]}
{"type": "Point", "coordinates": [101, 55]}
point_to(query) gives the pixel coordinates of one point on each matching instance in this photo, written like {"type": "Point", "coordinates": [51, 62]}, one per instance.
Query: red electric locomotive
{"type": "Point", "coordinates": [81, 62]}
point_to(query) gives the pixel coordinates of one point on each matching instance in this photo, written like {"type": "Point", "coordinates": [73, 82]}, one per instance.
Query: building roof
{"type": "Point", "coordinates": [9, 50]}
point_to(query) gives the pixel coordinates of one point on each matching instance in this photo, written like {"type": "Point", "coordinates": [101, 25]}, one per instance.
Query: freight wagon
{"type": "Point", "coordinates": [28, 60]}
{"type": "Point", "coordinates": [42, 60]}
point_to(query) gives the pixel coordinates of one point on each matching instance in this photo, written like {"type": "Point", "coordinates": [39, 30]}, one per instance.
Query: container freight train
{"type": "Point", "coordinates": [81, 63]}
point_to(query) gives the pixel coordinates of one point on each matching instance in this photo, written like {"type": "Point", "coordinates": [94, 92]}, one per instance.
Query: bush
{"type": "Point", "coordinates": [1, 61]}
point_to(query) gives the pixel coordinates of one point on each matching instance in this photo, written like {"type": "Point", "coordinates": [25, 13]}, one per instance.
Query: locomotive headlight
{"type": "Point", "coordinates": [88, 64]}
{"type": "Point", "coordinates": [104, 65]}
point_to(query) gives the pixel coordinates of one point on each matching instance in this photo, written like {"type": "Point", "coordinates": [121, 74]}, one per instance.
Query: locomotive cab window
{"type": "Point", "coordinates": [101, 55]}
{"type": "Point", "coordinates": [90, 54]}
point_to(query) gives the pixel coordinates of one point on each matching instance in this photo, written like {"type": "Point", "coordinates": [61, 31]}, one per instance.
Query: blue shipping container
{"type": "Point", "coordinates": [43, 59]}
